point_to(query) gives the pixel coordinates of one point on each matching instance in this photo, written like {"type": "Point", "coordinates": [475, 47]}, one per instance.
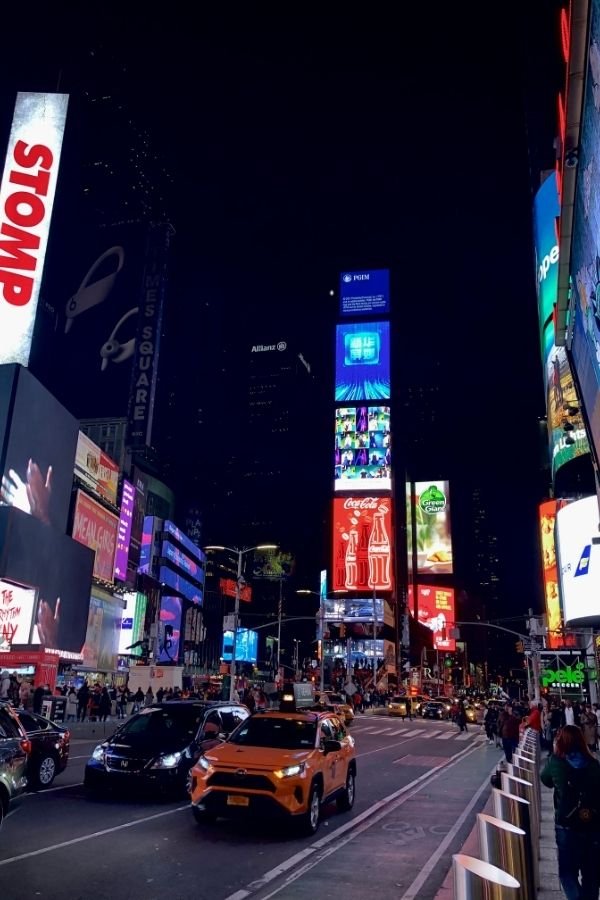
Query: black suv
{"type": "Point", "coordinates": [14, 747]}
{"type": "Point", "coordinates": [158, 746]}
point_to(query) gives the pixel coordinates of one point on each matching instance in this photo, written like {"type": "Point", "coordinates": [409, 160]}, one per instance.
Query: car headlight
{"type": "Point", "coordinates": [98, 753]}
{"type": "Point", "coordinates": [167, 761]}
{"type": "Point", "coordinates": [290, 771]}
{"type": "Point", "coordinates": [204, 763]}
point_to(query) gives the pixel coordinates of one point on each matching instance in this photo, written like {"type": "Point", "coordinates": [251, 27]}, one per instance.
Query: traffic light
{"type": "Point", "coordinates": [520, 647]}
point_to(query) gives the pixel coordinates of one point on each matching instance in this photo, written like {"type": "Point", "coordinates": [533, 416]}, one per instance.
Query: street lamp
{"type": "Point", "coordinates": [241, 552]}
{"type": "Point", "coordinates": [321, 628]}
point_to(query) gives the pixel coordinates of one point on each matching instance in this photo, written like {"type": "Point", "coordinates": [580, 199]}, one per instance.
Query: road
{"type": "Point", "coordinates": [419, 787]}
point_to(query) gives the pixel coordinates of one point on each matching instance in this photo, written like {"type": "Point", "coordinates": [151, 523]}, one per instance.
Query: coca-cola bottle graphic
{"type": "Point", "coordinates": [351, 566]}
{"type": "Point", "coordinates": [362, 555]}
{"type": "Point", "coordinates": [380, 552]}
{"type": "Point", "coordinates": [340, 566]}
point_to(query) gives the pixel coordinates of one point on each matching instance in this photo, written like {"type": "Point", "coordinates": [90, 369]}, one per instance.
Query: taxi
{"type": "Point", "coordinates": [397, 707]}
{"type": "Point", "coordinates": [285, 763]}
{"type": "Point", "coordinates": [335, 703]}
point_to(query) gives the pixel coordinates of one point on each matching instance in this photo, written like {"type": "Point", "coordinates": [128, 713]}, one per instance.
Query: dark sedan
{"type": "Point", "coordinates": [157, 747]}
{"type": "Point", "coordinates": [49, 748]}
{"type": "Point", "coordinates": [434, 709]}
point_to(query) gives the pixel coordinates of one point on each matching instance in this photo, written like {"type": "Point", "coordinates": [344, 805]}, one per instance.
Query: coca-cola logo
{"type": "Point", "coordinates": [362, 503]}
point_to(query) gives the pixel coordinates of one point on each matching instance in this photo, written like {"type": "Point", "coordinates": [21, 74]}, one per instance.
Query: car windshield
{"type": "Point", "coordinates": [334, 698]}
{"type": "Point", "coordinates": [398, 700]}
{"type": "Point", "coordinates": [176, 722]}
{"type": "Point", "coordinates": [283, 734]}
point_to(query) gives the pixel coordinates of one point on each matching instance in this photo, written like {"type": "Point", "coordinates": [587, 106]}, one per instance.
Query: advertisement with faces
{"type": "Point", "coordinates": [363, 454]}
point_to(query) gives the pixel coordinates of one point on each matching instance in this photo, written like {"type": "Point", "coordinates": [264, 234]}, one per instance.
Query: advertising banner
{"type": "Point", "coordinates": [179, 560]}
{"type": "Point", "coordinates": [103, 633]}
{"type": "Point", "coordinates": [17, 606]}
{"type": "Point", "coordinates": [365, 293]}
{"type": "Point", "coordinates": [273, 564]}
{"type": "Point", "coordinates": [180, 585]}
{"type": "Point", "coordinates": [563, 409]}
{"type": "Point", "coordinates": [246, 646]}
{"type": "Point", "coordinates": [585, 248]}
{"type": "Point", "coordinates": [555, 637]}
{"type": "Point", "coordinates": [579, 559]}
{"type": "Point", "coordinates": [97, 470]}
{"type": "Point", "coordinates": [147, 552]}
{"type": "Point", "coordinates": [362, 362]}
{"type": "Point", "coordinates": [39, 461]}
{"type": "Point", "coordinates": [96, 528]}
{"type": "Point", "coordinates": [124, 530]}
{"type": "Point", "coordinates": [227, 586]}
{"type": "Point", "coordinates": [358, 609]}
{"type": "Point", "coordinates": [429, 512]}
{"type": "Point", "coordinates": [362, 543]}
{"type": "Point", "coordinates": [170, 637]}
{"type": "Point", "coordinates": [546, 210]}
{"type": "Point", "coordinates": [60, 568]}
{"type": "Point", "coordinates": [129, 634]}
{"type": "Point", "coordinates": [436, 611]}
{"type": "Point", "coordinates": [185, 542]}
{"type": "Point", "coordinates": [363, 455]}
{"type": "Point", "coordinates": [26, 199]}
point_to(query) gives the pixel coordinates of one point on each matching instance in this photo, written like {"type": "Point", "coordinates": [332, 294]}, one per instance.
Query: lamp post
{"type": "Point", "coordinates": [321, 630]}
{"type": "Point", "coordinates": [241, 552]}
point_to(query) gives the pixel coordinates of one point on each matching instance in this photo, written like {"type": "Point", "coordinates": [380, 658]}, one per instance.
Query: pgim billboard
{"type": "Point", "coordinates": [26, 199]}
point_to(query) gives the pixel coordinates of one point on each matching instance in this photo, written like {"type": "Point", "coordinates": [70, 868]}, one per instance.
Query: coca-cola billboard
{"type": "Point", "coordinates": [362, 544]}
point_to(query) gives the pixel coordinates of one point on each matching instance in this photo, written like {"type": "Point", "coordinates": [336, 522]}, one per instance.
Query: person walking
{"type": "Point", "coordinates": [71, 704]}
{"type": "Point", "coordinates": [149, 698]}
{"type": "Point", "coordinates": [510, 733]}
{"type": "Point", "coordinates": [461, 716]}
{"type": "Point", "coordinates": [574, 774]}
{"type": "Point", "coordinates": [589, 727]}
{"type": "Point", "coordinates": [104, 705]}
{"type": "Point", "coordinates": [83, 696]}
{"type": "Point", "coordinates": [489, 723]}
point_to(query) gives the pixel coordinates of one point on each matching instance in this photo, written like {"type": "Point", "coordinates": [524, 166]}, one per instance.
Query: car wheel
{"type": "Point", "coordinates": [203, 817]}
{"type": "Point", "coordinates": [346, 799]}
{"type": "Point", "coordinates": [309, 822]}
{"type": "Point", "coordinates": [46, 771]}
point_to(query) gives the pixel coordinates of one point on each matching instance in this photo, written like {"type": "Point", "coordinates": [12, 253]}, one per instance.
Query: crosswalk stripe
{"type": "Point", "coordinates": [463, 737]}
{"type": "Point", "coordinates": [415, 731]}
{"type": "Point", "coordinates": [400, 731]}
{"type": "Point", "coordinates": [368, 730]}
{"type": "Point", "coordinates": [381, 731]}
{"type": "Point", "coordinates": [445, 736]}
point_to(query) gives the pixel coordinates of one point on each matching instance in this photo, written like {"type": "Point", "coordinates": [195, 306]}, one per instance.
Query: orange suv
{"type": "Point", "coordinates": [277, 764]}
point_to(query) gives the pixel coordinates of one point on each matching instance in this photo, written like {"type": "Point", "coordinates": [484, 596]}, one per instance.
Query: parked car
{"type": "Point", "coordinates": [157, 747]}
{"type": "Point", "coordinates": [14, 750]}
{"type": "Point", "coordinates": [49, 748]}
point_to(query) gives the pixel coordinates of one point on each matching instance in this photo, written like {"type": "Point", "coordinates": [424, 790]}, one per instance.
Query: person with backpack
{"type": "Point", "coordinates": [575, 776]}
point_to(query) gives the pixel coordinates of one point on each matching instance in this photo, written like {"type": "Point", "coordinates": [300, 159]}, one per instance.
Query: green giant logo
{"type": "Point", "coordinates": [432, 500]}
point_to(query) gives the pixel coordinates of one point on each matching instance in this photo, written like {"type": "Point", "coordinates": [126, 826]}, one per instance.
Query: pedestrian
{"type": "Point", "coordinates": [25, 694]}
{"type": "Point", "coordinates": [122, 701]}
{"type": "Point", "coordinates": [160, 694]}
{"type": "Point", "coordinates": [38, 695]}
{"type": "Point", "coordinates": [461, 716]}
{"type": "Point", "coordinates": [575, 776]}
{"type": "Point", "coordinates": [589, 727]}
{"type": "Point", "coordinates": [104, 705]}
{"type": "Point", "coordinates": [4, 685]}
{"type": "Point", "coordinates": [138, 700]}
{"type": "Point", "coordinates": [510, 733]}
{"type": "Point", "coordinates": [71, 704]}
{"type": "Point", "coordinates": [489, 723]}
{"type": "Point", "coordinates": [149, 698]}
{"type": "Point", "coordinates": [568, 717]}
{"type": "Point", "coordinates": [83, 696]}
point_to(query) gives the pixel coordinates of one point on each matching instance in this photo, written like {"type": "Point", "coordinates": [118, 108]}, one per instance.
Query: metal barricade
{"type": "Point", "coordinates": [517, 811]}
{"type": "Point", "coordinates": [475, 879]}
{"type": "Point", "coordinates": [505, 845]}
{"type": "Point", "coordinates": [524, 788]}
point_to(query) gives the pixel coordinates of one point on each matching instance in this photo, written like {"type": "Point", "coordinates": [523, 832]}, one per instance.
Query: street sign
{"type": "Point", "coordinates": [229, 622]}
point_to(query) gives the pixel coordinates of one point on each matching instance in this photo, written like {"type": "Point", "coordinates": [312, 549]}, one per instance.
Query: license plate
{"type": "Point", "coordinates": [237, 800]}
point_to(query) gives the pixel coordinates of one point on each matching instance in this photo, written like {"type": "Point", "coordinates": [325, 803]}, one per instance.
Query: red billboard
{"type": "Point", "coordinates": [436, 611]}
{"type": "Point", "coordinates": [362, 543]}
{"type": "Point", "coordinates": [96, 528]}
{"type": "Point", "coordinates": [555, 637]}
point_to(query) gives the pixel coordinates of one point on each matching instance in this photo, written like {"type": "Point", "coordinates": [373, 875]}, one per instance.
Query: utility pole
{"type": "Point", "coordinates": [279, 617]}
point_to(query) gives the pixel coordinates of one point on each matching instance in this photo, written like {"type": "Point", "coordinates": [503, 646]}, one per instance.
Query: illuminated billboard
{"type": "Point", "coordinates": [102, 637]}
{"type": "Point", "coordinates": [178, 558]}
{"type": "Point", "coordinates": [563, 409]}
{"type": "Point", "coordinates": [170, 630]}
{"type": "Point", "coordinates": [546, 210]}
{"type": "Point", "coordinates": [585, 247]}
{"type": "Point", "coordinates": [579, 561]}
{"type": "Point", "coordinates": [185, 542]}
{"type": "Point", "coordinates": [362, 543]}
{"type": "Point", "coordinates": [228, 588]}
{"type": "Point", "coordinates": [428, 511]}
{"type": "Point", "coordinates": [358, 609]}
{"type": "Point", "coordinates": [26, 199]}
{"type": "Point", "coordinates": [179, 584]}
{"type": "Point", "coordinates": [96, 528]}
{"type": "Point", "coordinates": [17, 606]}
{"type": "Point", "coordinates": [97, 470]}
{"type": "Point", "coordinates": [363, 454]}
{"type": "Point", "coordinates": [365, 293]}
{"type": "Point", "coordinates": [362, 362]}
{"type": "Point", "coordinates": [124, 530]}
{"type": "Point", "coordinates": [246, 646]}
{"type": "Point", "coordinates": [436, 610]}
{"type": "Point", "coordinates": [132, 622]}
{"type": "Point", "coordinates": [555, 637]}
{"type": "Point", "coordinates": [39, 458]}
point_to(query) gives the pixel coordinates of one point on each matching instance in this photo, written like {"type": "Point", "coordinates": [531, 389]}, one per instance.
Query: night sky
{"type": "Point", "coordinates": [304, 143]}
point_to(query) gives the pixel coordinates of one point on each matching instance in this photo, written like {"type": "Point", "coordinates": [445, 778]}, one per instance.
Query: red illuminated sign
{"type": "Point", "coordinates": [362, 544]}
{"type": "Point", "coordinates": [436, 611]}
{"type": "Point", "coordinates": [227, 586]}
{"type": "Point", "coordinates": [96, 528]}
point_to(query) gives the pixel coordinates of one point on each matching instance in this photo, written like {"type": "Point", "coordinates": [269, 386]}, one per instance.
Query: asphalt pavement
{"type": "Point", "coordinates": [419, 786]}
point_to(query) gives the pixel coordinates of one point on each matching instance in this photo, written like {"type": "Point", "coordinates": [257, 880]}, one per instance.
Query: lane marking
{"type": "Point", "coordinates": [85, 756]}
{"type": "Point", "coordinates": [400, 731]}
{"type": "Point", "coordinates": [357, 825]}
{"type": "Point", "coordinates": [463, 737]}
{"type": "Point", "coordinates": [89, 837]}
{"type": "Point", "coordinates": [62, 787]}
{"type": "Point", "coordinates": [381, 731]}
{"type": "Point", "coordinates": [414, 732]}
{"type": "Point", "coordinates": [433, 860]}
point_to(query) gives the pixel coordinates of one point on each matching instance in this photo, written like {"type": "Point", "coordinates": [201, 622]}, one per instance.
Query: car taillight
{"type": "Point", "coordinates": [25, 745]}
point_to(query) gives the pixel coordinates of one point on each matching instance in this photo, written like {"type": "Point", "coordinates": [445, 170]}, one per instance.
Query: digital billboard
{"type": "Point", "coordinates": [555, 636]}
{"type": "Point", "coordinates": [170, 630]}
{"type": "Point", "coordinates": [362, 362]}
{"type": "Point", "coordinates": [358, 609]}
{"type": "Point", "coordinates": [40, 452]}
{"type": "Point", "coordinates": [96, 528]}
{"type": "Point", "coordinates": [180, 585]}
{"type": "Point", "coordinates": [97, 470]}
{"type": "Point", "coordinates": [579, 561]}
{"type": "Point", "coordinates": [228, 588]}
{"type": "Point", "coordinates": [146, 566]}
{"type": "Point", "coordinates": [124, 530]}
{"type": "Point", "coordinates": [429, 513]}
{"type": "Point", "coordinates": [363, 455]}
{"type": "Point", "coordinates": [132, 622]}
{"type": "Point", "coordinates": [17, 606]}
{"type": "Point", "coordinates": [585, 247]}
{"type": "Point", "coordinates": [103, 633]}
{"type": "Point", "coordinates": [36, 556]}
{"type": "Point", "coordinates": [246, 646]}
{"type": "Point", "coordinates": [185, 542]}
{"type": "Point", "coordinates": [563, 409]}
{"type": "Point", "coordinates": [362, 543]}
{"type": "Point", "coordinates": [546, 210]}
{"type": "Point", "coordinates": [26, 199]}
{"type": "Point", "coordinates": [179, 559]}
{"type": "Point", "coordinates": [272, 564]}
{"type": "Point", "coordinates": [435, 606]}
{"type": "Point", "coordinates": [365, 293]}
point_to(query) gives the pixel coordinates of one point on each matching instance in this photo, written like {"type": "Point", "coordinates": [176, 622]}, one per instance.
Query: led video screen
{"type": "Point", "coordinates": [180, 585]}
{"type": "Point", "coordinates": [362, 362]}
{"type": "Point", "coordinates": [363, 455]}
{"type": "Point", "coordinates": [428, 511]}
{"type": "Point", "coordinates": [579, 561]}
{"type": "Point", "coordinates": [436, 611]}
{"type": "Point", "coordinates": [555, 636]}
{"type": "Point", "coordinates": [362, 543]}
{"type": "Point", "coordinates": [358, 609]}
{"type": "Point", "coordinates": [180, 561]}
{"type": "Point", "coordinates": [168, 645]}
{"type": "Point", "coordinates": [365, 293]}
{"type": "Point", "coordinates": [96, 528]}
{"type": "Point", "coordinates": [246, 645]}
{"type": "Point", "coordinates": [124, 530]}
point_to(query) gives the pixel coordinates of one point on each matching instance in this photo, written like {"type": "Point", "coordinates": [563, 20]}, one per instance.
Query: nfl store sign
{"type": "Point", "coordinates": [26, 200]}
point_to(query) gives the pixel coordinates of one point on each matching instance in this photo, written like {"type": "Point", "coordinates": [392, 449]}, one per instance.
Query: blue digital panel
{"type": "Point", "coordinates": [184, 540]}
{"type": "Point", "coordinates": [365, 293]}
{"type": "Point", "coordinates": [170, 617]}
{"type": "Point", "coordinates": [246, 645]}
{"type": "Point", "coordinates": [181, 561]}
{"type": "Point", "coordinates": [362, 361]}
{"type": "Point", "coordinates": [180, 585]}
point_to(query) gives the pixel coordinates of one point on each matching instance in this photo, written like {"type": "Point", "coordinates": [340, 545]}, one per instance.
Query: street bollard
{"type": "Point", "coordinates": [478, 880]}
{"type": "Point", "coordinates": [532, 770]}
{"type": "Point", "coordinates": [526, 775]}
{"type": "Point", "coordinates": [517, 811]}
{"type": "Point", "coordinates": [521, 787]}
{"type": "Point", "coordinates": [505, 845]}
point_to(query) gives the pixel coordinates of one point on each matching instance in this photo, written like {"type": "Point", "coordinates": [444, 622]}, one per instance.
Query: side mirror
{"type": "Point", "coordinates": [331, 747]}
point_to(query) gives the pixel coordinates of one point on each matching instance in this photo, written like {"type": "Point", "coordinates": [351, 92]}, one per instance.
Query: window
{"type": "Point", "coordinates": [327, 733]}
{"type": "Point", "coordinates": [8, 727]}
{"type": "Point", "coordinates": [33, 723]}
{"type": "Point", "coordinates": [339, 731]}
{"type": "Point", "coordinates": [284, 734]}
{"type": "Point", "coordinates": [231, 718]}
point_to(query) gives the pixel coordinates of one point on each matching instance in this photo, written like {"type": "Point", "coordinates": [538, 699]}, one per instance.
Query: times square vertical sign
{"type": "Point", "coordinates": [26, 199]}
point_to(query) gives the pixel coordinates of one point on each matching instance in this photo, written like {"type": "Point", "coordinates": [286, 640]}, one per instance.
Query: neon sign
{"type": "Point", "coordinates": [567, 677]}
